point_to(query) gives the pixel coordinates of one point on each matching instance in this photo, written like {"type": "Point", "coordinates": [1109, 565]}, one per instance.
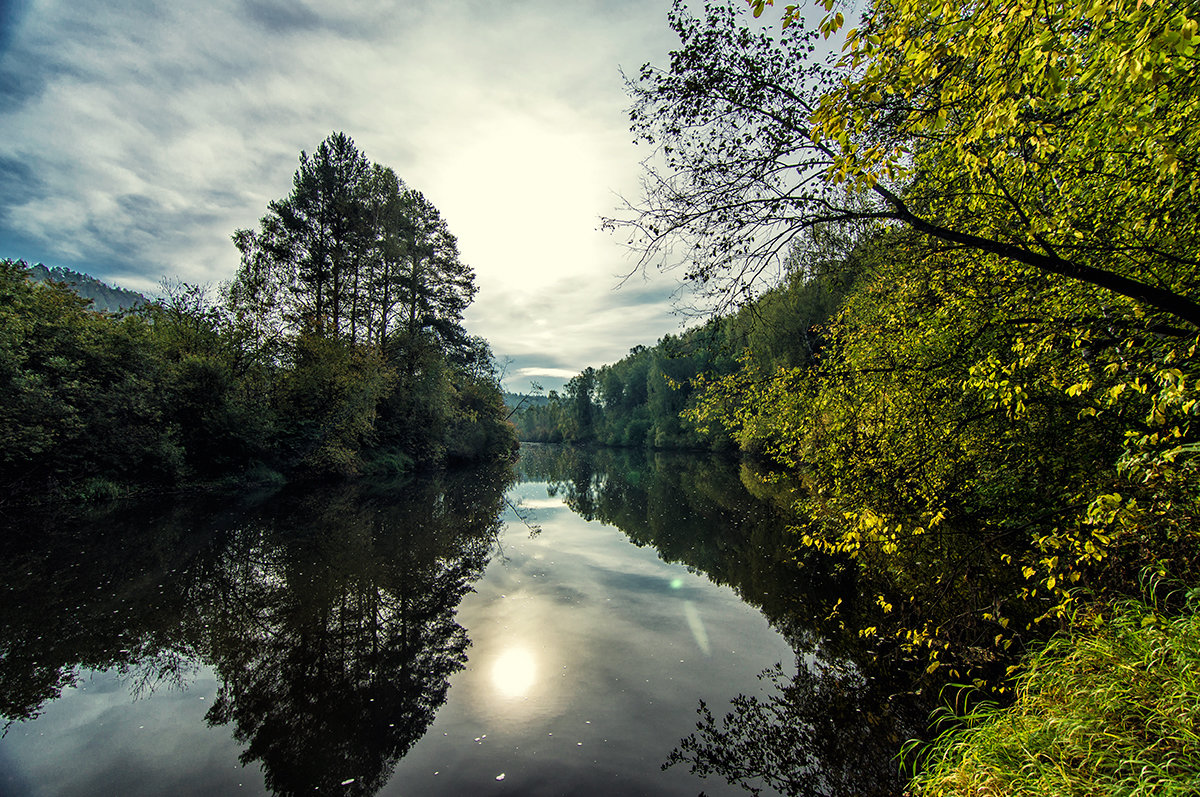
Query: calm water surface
{"type": "Point", "coordinates": [552, 630]}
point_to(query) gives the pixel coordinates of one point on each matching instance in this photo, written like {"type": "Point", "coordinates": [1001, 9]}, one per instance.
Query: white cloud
{"type": "Point", "coordinates": [156, 131]}
{"type": "Point", "coordinates": [558, 373]}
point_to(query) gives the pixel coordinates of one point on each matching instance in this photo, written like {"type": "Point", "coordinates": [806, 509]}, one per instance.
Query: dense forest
{"type": "Point", "coordinates": [640, 400]}
{"type": "Point", "coordinates": [980, 367]}
{"type": "Point", "coordinates": [337, 348]}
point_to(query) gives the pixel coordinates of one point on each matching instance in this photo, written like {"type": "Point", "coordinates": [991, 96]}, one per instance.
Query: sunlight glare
{"type": "Point", "coordinates": [514, 672]}
{"type": "Point", "coordinates": [697, 627]}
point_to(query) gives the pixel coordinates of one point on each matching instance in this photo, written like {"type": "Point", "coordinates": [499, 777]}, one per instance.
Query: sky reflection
{"type": "Point", "coordinates": [559, 655]}
{"type": "Point", "coordinates": [588, 657]}
{"type": "Point", "coordinates": [514, 672]}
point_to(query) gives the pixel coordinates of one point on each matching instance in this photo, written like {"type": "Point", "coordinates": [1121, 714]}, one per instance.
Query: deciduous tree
{"type": "Point", "coordinates": [1058, 138]}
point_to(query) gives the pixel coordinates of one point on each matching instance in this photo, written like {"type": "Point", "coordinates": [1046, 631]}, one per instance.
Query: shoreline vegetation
{"type": "Point", "coordinates": [976, 377]}
{"type": "Point", "coordinates": [979, 366]}
{"type": "Point", "coordinates": [336, 350]}
{"type": "Point", "coordinates": [1110, 708]}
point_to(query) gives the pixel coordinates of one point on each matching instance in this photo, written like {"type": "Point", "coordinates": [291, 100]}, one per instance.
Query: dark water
{"type": "Point", "coordinates": [557, 628]}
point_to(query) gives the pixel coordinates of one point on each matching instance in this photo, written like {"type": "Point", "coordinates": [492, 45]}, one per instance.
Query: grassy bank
{"type": "Point", "coordinates": [1111, 709]}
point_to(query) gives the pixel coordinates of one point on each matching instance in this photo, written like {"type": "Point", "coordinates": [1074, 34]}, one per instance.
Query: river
{"type": "Point", "coordinates": [569, 625]}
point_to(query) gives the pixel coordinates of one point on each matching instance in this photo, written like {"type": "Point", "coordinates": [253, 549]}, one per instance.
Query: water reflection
{"type": "Point", "coordinates": [327, 614]}
{"type": "Point", "coordinates": [697, 511]}
{"type": "Point", "coordinates": [826, 730]}
{"type": "Point", "coordinates": [110, 590]}
{"type": "Point", "coordinates": [332, 622]}
{"type": "Point", "coordinates": [831, 728]}
{"type": "Point", "coordinates": [333, 629]}
{"type": "Point", "coordinates": [696, 626]}
{"type": "Point", "coordinates": [514, 672]}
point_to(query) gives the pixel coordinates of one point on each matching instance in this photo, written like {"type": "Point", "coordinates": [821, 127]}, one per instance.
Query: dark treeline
{"type": "Point", "coordinates": [639, 400]}
{"type": "Point", "coordinates": [337, 348]}
{"type": "Point", "coordinates": [327, 612]}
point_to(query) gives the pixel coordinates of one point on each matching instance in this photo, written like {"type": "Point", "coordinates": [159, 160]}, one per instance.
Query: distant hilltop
{"type": "Point", "coordinates": [105, 298]}
{"type": "Point", "coordinates": [514, 400]}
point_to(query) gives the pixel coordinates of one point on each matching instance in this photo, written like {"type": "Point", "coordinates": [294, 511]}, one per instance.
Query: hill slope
{"type": "Point", "coordinates": [105, 298]}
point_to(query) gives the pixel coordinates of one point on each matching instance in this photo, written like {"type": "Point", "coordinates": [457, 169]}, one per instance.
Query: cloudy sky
{"type": "Point", "coordinates": [136, 135]}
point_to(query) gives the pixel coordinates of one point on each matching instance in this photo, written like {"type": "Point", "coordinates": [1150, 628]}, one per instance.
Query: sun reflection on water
{"type": "Point", "coordinates": [514, 672]}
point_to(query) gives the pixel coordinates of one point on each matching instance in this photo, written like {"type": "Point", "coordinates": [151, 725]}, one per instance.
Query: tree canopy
{"type": "Point", "coordinates": [353, 251]}
{"type": "Point", "coordinates": [1057, 138]}
{"type": "Point", "coordinates": [338, 347]}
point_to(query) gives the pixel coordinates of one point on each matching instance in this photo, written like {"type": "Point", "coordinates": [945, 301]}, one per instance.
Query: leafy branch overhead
{"type": "Point", "coordinates": [1056, 138]}
{"type": "Point", "coordinates": [995, 418]}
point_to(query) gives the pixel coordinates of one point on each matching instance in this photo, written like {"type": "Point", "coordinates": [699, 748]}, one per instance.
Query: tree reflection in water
{"type": "Point", "coordinates": [824, 731]}
{"type": "Point", "coordinates": [835, 726]}
{"type": "Point", "coordinates": [105, 590]}
{"type": "Point", "coordinates": [334, 632]}
{"type": "Point", "coordinates": [328, 615]}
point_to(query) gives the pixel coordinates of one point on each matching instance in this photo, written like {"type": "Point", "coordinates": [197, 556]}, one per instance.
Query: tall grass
{"type": "Point", "coordinates": [1111, 709]}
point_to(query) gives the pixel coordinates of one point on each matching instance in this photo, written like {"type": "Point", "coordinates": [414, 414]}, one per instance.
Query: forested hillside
{"type": "Point", "coordinates": [104, 298]}
{"type": "Point", "coordinates": [640, 400]}
{"type": "Point", "coordinates": [337, 348]}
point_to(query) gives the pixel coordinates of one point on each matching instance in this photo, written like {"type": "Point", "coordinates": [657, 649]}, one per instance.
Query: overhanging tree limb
{"type": "Point", "coordinates": [1158, 298]}
{"type": "Point", "coordinates": [1062, 159]}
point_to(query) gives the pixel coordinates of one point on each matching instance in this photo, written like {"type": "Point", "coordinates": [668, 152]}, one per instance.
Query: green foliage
{"type": "Point", "coordinates": [639, 400]}
{"type": "Point", "coordinates": [1110, 709]}
{"type": "Point", "coordinates": [634, 402]}
{"type": "Point", "coordinates": [354, 280]}
{"type": "Point", "coordinates": [1058, 129]}
{"type": "Point", "coordinates": [982, 446]}
{"type": "Point", "coordinates": [1054, 138]}
{"type": "Point", "coordinates": [352, 252]}
{"type": "Point", "coordinates": [95, 491]}
{"type": "Point", "coordinates": [332, 391]}
{"type": "Point", "coordinates": [339, 341]}
{"type": "Point", "coordinates": [474, 430]}
{"type": "Point", "coordinates": [79, 392]}
{"type": "Point", "coordinates": [988, 450]}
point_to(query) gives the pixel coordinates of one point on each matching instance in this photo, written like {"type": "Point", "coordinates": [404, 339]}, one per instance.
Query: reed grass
{"type": "Point", "coordinates": [1111, 709]}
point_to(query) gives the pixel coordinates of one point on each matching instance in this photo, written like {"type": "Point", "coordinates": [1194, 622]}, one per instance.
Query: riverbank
{"type": "Point", "coordinates": [1111, 708]}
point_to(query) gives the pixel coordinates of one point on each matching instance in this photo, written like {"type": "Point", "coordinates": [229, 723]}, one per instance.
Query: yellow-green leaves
{"type": "Point", "coordinates": [758, 6]}
{"type": "Point", "coordinates": [1063, 130]}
